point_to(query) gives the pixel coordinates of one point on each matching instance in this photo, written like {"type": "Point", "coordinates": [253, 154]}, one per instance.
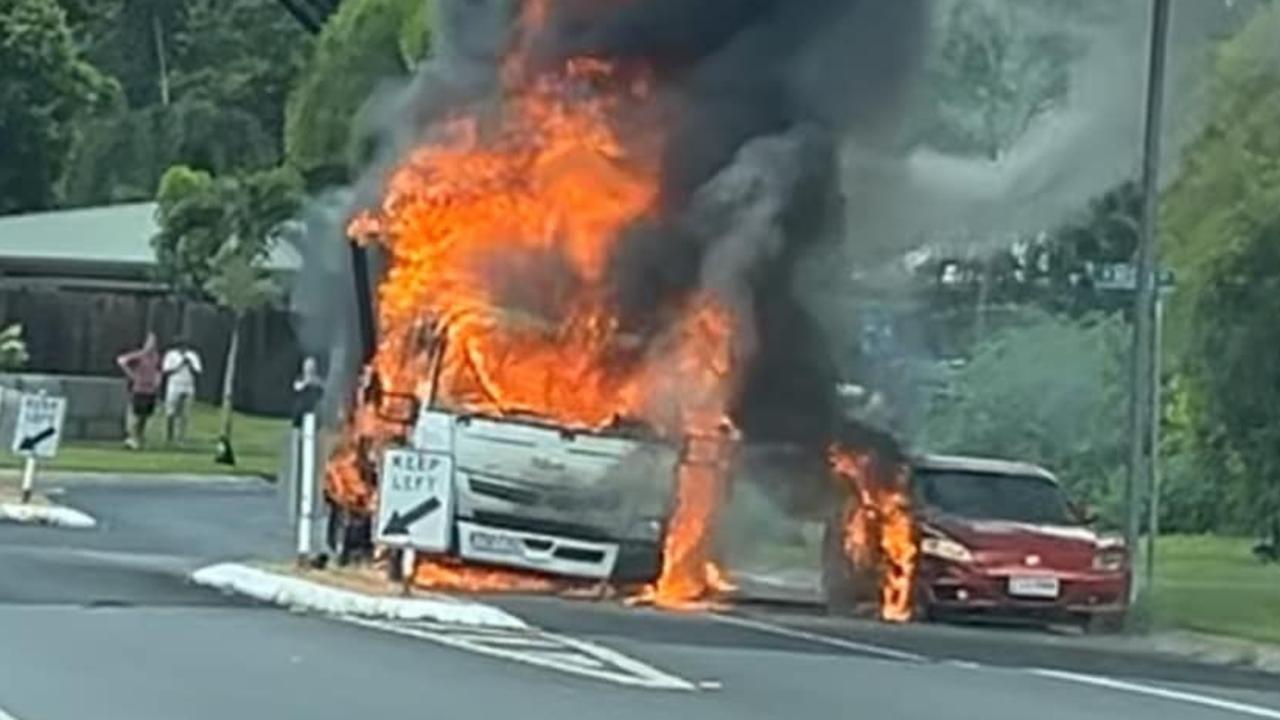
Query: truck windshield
{"type": "Point", "coordinates": [990, 496]}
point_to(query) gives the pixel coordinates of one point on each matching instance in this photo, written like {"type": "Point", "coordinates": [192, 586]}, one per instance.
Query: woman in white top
{"type": "Point", "coordinates": [181, 366]}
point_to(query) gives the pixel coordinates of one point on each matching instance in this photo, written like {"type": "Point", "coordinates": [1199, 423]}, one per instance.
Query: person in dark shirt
{"type": "Point", "coordinates": [308, 388]}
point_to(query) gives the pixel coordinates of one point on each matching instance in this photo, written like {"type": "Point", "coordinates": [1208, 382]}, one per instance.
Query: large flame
{"type": "Point", "coordinates": [500, 230]}
{"type": "Point", "coordinates": [880, 531]}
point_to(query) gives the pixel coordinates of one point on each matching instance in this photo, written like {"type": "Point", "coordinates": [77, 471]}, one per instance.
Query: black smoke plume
{"type": "Point", "coordinates": [755, 96]}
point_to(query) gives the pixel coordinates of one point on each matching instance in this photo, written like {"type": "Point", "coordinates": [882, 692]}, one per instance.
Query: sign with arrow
{"type": "Point", "coordinates": [39, 428]}
{"type": "Point", "coordinates": [415, 500]}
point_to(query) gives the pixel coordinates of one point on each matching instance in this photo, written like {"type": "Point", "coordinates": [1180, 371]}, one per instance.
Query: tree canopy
{"type": "Point", "coordinates": [1222, 228]}
{"type": "Point", "coordinates": [367, 42]}
{"type": "Point", "coordinates": [1048, 390]}
{"type": "Point", "coordinates": [46, 86]}
{"type": "Point", "coordinates": [208, 222]}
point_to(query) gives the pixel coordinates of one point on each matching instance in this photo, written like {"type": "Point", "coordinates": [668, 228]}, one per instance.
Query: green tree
{"type": "Point", "coordinates": [1221, 219]}
{"type": "Point", "coordinates": [45, 88]}
{"type": "Point", "coordinates": [216, 234]}
{"type": "Point", "coordinates": [364, 44]}
{"type": "Point", "coordinates": [998, 66]}
{"type": "Point", "coordinates": [1047, 390]}
{"type": "Point", "coordinates": [242, 55]}
{"type": "Point", "coordinates": [240, 284]}
{"type": "Point", "coordinates": [121, 157]}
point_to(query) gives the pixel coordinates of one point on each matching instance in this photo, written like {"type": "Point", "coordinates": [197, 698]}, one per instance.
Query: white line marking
{"type": "Point", "coordinates": [531, 642]}
{"type": "Point", "coordinates": [841, 643]}
{"type": "Point", "coordinates": [629, 672]}
{"type": "Point", "coordinates": [1152, 691]}
{"type": "Point", "coordinates": [710, 685]}
{"type": "Point", "coordinates": [6, 716]}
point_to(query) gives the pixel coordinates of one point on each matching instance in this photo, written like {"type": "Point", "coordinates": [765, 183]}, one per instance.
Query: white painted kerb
{"type": "Point", "coordinates": [294, 592]}
{"type": "Point", "coordinates": [54, 515]}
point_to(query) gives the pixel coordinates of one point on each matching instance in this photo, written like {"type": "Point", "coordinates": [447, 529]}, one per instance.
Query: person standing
{"type": "Point", "coordinates": [141, 368]}
{"type": "Point", "coordinates": [308, 388]}
{"type": "Point", "coordinates": [181, 367]}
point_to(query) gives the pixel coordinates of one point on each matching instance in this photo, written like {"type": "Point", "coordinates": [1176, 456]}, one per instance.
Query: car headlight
{"type": "Point", "coordinates": [1110, 560]}
{"type": "Point", "coordinates": [946, 549]}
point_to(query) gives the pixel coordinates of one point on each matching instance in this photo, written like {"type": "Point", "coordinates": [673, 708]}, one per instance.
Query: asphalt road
{"type": "Point", "coordinates": [102, 624]}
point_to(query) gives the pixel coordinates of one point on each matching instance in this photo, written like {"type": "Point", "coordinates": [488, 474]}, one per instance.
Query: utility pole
{"type": "Point", "coordinates": [1143, 413]}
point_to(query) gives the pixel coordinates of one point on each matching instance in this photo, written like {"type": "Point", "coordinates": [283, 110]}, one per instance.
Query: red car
{"type": "Point", "coordinates": [1001, 539]}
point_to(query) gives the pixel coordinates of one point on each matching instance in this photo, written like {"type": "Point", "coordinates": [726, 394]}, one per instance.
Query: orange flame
{"type": "Point", "coordinates": [879, 528]}
{"type": "Point", "coordinates": [500, 230]}
{"type": "Point", "coordinates": [439, 575]}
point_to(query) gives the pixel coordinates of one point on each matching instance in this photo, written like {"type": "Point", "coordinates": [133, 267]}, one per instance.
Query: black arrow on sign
{"type": "Point", "coordinates": [399, 524]}
{"type": "Point", "coordinates": [30, 442]}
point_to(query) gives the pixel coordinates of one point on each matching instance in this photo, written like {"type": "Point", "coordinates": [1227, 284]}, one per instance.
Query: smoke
{"type": "Point", "coordinates": [754, 96]}
{"type": "Point", "coordinates": [1087, 144]}
{"type": "Point", "coordinates": [757, 94]}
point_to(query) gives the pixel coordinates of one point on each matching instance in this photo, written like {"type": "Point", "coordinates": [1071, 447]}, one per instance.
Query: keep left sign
{"type": "Point", "coordinates": [38, 431]}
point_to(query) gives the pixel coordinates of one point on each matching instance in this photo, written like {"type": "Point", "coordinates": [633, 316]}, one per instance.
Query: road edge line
{"type": "Point", "coordinates": [1182, 696]}
{"type": "Point", "coordinates": [851, 645]}
{"type": "Point", "coordinates": [299, 593]}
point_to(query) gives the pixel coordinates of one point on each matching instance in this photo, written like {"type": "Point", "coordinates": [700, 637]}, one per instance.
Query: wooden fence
{"type": "Point", "coordinates": [80, 332]}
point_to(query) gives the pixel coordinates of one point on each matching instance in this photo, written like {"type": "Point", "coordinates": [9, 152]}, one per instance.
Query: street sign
{"type": "Point", "coordinates": [39, 427]}
{"type": "Point", "coordinates": [415, 500]}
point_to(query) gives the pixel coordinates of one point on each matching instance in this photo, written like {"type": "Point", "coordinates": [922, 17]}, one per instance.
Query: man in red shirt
{"type": "Point", "coordinates": [142, 368]}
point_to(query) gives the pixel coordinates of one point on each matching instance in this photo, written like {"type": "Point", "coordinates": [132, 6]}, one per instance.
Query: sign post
{"type": "Point", "coordinates": [37, 434]}
{"type": "Point", "coordinates": [306, 490]}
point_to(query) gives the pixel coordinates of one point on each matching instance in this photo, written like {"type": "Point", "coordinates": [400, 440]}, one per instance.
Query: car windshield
{"type": "Point", "coordinates": [991, 496]}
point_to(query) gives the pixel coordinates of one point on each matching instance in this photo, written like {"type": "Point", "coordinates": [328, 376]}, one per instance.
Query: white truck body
{"type": "Point", "coordinates": [537, 497]}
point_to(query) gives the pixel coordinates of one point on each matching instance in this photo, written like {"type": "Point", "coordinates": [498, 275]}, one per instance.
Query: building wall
{"type": "Point", "coordinates": [82, 331]}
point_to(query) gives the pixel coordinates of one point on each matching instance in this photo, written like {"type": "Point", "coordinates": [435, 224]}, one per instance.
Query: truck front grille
{"type": "Point", "coordinates": [508, 493]}
{"type": "Point", "coordinates": [543, 527]}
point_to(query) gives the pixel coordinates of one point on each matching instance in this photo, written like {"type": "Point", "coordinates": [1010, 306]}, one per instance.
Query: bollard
{"type": "Point", "coordinates": [28, 478]}
{"type": "Point", "coordinates": [306, 490]}
{"type": "Point", "coordinates": [408, 562]}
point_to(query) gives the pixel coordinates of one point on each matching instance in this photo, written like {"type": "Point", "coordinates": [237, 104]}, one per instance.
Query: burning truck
{"type": "Point", "coordinates": [584, 294]}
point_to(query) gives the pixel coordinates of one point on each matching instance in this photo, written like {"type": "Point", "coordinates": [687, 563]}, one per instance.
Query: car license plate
{"type": "Point", "coordinates": [1034, 586]}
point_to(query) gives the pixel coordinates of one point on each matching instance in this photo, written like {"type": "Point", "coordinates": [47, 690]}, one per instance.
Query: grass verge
{"type": "Point", "coordinates": [1214, 585]}
{"type": "Point", "coordinates": [258, 443]}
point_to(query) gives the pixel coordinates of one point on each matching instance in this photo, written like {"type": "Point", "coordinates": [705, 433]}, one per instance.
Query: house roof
{"type": "Point", "coordinates": [105, 240]}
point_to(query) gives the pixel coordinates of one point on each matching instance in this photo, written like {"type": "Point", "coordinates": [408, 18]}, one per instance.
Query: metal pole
{"type": "Point", "coordinates": [28, 478]}
{"type": "Point", "coordinates": [1153, 492]}
{"type": "Point", "coordinates": [1143, 430]}
{"type": "Point", "coordinates": [306, 491]}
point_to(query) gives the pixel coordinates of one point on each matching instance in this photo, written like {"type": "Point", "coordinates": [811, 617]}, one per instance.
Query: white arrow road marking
{"type": "Point", "coordinates": [1164, 693]}
{"type": "Point", "coordinates": [540, 649]}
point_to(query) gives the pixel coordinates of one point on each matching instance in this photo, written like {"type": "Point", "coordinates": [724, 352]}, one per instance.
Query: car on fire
{"type": "Point", "coordinates": [1001, 539]}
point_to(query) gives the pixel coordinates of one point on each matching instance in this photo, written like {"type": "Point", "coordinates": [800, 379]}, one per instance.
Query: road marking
{"type": "Point", "coordinates": [884, 652]}
{"type": "Point", "coordinates": [710, 685]}
{"type": "Point", "coordinates": [549, 651]}
{"type": "Point", "coordinates": [1159, 692]}
{"type": "Point", "coordinates": [6, 716]}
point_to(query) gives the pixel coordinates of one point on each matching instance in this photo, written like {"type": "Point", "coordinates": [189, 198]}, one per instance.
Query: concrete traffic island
{"type": "Point", "coordinates": [342, 593]}
{"type": "Point", "coordinates": [39, 510]}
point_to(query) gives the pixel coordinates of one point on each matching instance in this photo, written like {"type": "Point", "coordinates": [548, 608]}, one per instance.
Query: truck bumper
{"type": "Point", "coordinates": [552, 554]}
